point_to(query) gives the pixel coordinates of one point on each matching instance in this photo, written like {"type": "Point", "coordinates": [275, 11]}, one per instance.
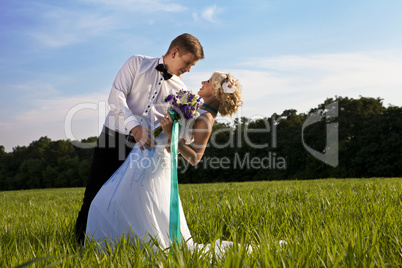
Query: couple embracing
{"type": "Point", "coordinates": [126, 199]}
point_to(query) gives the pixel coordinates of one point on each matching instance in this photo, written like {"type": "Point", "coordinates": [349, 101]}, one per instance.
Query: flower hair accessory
{"type": "Point", "coordinates": [228, 87]}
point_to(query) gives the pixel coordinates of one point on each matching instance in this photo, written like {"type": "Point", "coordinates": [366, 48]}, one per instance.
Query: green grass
{"type": "Point", "coordinates": [326, 223]}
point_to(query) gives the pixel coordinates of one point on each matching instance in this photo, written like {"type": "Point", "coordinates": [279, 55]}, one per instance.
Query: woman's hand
{"type": "Point", "coordinates": [167, 125]}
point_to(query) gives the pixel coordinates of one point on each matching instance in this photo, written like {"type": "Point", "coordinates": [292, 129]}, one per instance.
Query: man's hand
{"type": "Point", "coordinates": [142, 137]}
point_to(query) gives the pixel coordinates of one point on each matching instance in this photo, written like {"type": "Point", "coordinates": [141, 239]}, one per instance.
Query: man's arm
{"type": "Point", "coordinates": [121, 87]}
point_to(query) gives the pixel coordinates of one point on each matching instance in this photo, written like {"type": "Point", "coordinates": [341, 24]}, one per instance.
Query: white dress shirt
{"type": "Point", "coordinates": [137, 95]}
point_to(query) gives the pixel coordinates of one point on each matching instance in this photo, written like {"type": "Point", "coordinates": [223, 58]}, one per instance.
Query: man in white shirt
{"type": "Point", "coordinates": [136, 107]}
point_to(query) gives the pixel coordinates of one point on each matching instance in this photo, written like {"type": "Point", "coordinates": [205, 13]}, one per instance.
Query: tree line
{"type": "Point", "coordinates": [360, 136]}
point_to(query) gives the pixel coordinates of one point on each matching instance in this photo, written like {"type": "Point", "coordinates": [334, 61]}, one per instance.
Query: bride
{"type": "Point", "coordinates": [135, 201]}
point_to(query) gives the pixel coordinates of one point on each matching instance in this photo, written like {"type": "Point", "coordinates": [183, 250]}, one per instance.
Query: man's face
{"type": "Point", "coordinates": [181, 63]}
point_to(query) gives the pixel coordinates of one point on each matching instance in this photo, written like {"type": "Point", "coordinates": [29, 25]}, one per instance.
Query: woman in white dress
{"type": "Point", "coordinates": [135, 201]}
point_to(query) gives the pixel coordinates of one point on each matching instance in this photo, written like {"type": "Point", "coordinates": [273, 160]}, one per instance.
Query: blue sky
{"type": "Point", "coordinates": [58, 59]}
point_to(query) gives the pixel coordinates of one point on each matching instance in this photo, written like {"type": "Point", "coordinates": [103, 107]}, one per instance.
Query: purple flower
{"type": "Point", "coordinates": [184, 110]}
{"type": "Point", "coordinates": [168, 98]}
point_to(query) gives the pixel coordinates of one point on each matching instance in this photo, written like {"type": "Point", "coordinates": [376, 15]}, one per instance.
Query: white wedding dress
{"type": "Point", "coordinates": [135, 201]}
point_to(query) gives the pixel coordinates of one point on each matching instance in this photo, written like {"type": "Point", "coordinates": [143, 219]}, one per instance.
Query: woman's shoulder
{"type": "Point", "coordinates": [205, 120]}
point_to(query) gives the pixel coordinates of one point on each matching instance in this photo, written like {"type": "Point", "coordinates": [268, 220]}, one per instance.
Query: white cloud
{"type": "Point", "coordinates": [142, 6]}
{"type": "Point", "coordinates": [34, 89]}
{"type": "Point", "coordinates": [317, 77]}
{"type": "Point", "coordinates": [280, 83]}
{"type": "Point", "coordinates": [328, 72]}
{"type": "Point", "coordinates": [195, 16]}
{"type": "Point", "coordinates": [272, 85]}
{"type": "Point", "coordinates": [48, 118]}
{"type": "Point", "coordinates": [56, 109]}
{"type": "Point", "coordinates": [208, 13]}
{"type": "Point", "coordinates": [62, 26]}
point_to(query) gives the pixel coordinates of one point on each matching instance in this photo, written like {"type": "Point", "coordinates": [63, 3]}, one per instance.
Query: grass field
{"type": "Point", "coordinates": [326, 223]}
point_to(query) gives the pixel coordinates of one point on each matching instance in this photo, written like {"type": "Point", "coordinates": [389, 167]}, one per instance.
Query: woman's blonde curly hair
{"type": "Point", "coordinates": [228, 102]}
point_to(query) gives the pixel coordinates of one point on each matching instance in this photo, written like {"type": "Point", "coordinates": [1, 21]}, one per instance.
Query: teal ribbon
{"type": "Point", "coordinates": [174, 217]}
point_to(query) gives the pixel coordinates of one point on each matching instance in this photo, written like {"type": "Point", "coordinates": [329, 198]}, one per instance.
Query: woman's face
{"type": "Point", "coordinates": [206, 90]}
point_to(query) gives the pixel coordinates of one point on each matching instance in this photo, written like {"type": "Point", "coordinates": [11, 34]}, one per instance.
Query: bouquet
{"type": "Point", "coordinates": [184, 104]}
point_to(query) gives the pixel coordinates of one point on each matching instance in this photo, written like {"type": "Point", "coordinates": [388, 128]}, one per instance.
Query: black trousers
{"type": "Point", "coordinates": [112, 148]}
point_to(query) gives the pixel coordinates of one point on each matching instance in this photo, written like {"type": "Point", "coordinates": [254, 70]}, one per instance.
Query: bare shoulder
{"type": "Point", "coordinates": [204, 121]}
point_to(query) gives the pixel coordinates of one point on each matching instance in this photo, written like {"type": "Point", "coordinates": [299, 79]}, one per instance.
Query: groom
{"type": "Point", "coordinates": [136, 105]}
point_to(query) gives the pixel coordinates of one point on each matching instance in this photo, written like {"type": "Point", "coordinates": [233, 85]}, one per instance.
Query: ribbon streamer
{"type": "Point", "coordinates": [174, 217]}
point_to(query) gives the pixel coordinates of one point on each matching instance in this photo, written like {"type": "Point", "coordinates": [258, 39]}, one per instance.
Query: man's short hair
{"type": "Point", "coordinates": [187, 43]}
